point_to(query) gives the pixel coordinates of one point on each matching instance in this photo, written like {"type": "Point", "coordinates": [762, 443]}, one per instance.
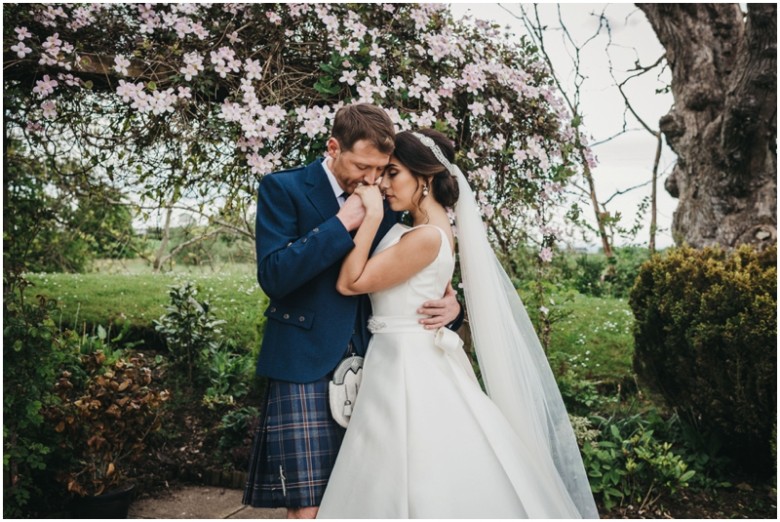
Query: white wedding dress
{"type": "Point", "coordinates": [424, 440]}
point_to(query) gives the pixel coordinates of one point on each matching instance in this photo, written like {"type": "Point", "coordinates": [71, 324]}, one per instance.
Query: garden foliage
{"type": "Point", "coordinates": [706, 338]}
{"type": "Point", "coordinates": [33, 352]}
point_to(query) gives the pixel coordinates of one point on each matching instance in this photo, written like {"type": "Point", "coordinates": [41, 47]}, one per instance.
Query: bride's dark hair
{"type": "Point", "coordinates": [419, 159]}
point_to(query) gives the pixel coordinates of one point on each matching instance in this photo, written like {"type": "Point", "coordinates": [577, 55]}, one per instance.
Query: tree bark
{"type": "Point", "coordinates": [723, 123]}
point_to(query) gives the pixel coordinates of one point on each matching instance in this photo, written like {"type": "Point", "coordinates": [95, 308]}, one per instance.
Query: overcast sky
{"type": "Point", "coordinates": [626, 161]}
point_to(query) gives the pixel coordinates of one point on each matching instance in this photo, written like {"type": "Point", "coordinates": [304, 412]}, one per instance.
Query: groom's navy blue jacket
{"type": "Point", "coordinates": [300, 246]}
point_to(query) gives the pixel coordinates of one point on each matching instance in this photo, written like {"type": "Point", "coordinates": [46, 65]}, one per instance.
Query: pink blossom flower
{"type": "Point", "coordinates": [53, 44]}
{"type": "Point", "coordinates": [432, 99]}
{"type": "Point", "coordinates": [376, 51]}
{"type": "Point", "coordinates": [352, 47]}
{"type": "Point", "coordinates": [274, 18]}
{"type": "Point", "coordinates": [233, 38]}
{"type": "Point", "coordinates": [129, 91]}
{"type": "Point", "coordinates": [22, 33]}
{"type": "Point", "coordinates": [348, 77]}
{"type": "Point", "coordinates": [121, 64]}
{"type": "Point", "coordinates": [313, 127]}
{"type": "Point", "coordinates": [49, 109]}
{"type": "Point", "coordinates": [69, 80]}
{"type": "Point", "coordinates": [34, 127]}
{"type": "Point", "coordinates": [374, 70]}
{"type": "Point", "coordinates": [591, 159]}
{"type": "Point", "coordinates": [296, 10]}
{"type": "Point", "coordinates": [21, 49]}
{"type": "Point", "coordinates": [231, 111]}
{"type": "Point", "coordinates": [450, 119]}
{"type": "Point", "coordinates": [420, 17]}
{"type": "Point", "coordinates": [426, 119]}
{"type": "Point", "coordinates": [389, 8]}
{"type": "Point", "coordinates": [398, 83]}
{"type": "Point", "coordinates": [253, 69]}
{"type": "Point", "coordinates": [193, 65]}
{"type": "Point", "coordinates": [447, 88]}
{"type": "Point", "coordinates": [520, 154]}
{"type": "Point", "coordinates": [546, 254]}
{"type": "Point", "coordinates": [184, 92]}
{"type": "Point", "coordinates": [262, 164]}
{"type": "Point", "coordinates": [224, 60]}
{"type": "Point", "coordinates": [44, 87]}
{"type": "Point", "coordinates": [477, 108]}
{"type": "Point", "coordinates": [473, 78]}
{"type": "Point", "coordinates": [422, 80]}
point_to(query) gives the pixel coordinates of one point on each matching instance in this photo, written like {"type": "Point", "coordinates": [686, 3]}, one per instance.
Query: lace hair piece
{"type": "Point", "coordinates": [428, 142]}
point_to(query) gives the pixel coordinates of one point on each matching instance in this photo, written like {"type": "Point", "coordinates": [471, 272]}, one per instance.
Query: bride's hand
{"type": "Point", "coordinates": [371, 197]}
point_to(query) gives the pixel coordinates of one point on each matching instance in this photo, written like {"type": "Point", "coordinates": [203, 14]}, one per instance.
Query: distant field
{"type": "Point", "coordinates": [594, 337]}
{"type": "Point", "coordinates": [138, 296]}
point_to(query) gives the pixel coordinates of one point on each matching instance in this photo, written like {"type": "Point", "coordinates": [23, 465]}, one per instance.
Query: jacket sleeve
{"type": "Point", "coordinates": [286, 260]}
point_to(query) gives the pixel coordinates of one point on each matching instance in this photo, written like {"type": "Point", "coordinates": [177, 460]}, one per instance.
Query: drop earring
{"type": "Point", "coordinates": [425, 191]}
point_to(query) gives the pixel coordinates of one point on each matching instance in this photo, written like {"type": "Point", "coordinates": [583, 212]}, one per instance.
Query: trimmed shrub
{"type": "Point", "coordinates": [706, 339]}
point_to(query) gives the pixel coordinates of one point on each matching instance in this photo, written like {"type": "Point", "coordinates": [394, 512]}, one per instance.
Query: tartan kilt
{"type": "Point", "coordinates": [294, 447]}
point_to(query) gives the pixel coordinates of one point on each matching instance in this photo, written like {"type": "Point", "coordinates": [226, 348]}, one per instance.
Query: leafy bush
{"type": "Point", "coordinates": [229, 374]}
{"type": "Point", "coordinates": [33, 352]}
{"type": "Point", "coordinates": [188, 328]}
{"type": "Point", "coordinates": [596, 275]}
{"type": "Point", "coordinates": [235, 435]}
{"type": "Point", "coordinates": [706, 339]}
{"type": "Point", "coordinates": [105, 420]}
{"type": "Point", "coordinates": [626, 462]}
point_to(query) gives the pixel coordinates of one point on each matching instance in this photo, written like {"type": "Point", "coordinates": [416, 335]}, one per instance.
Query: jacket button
{"type": "Point", "coordinates": [316, 229]}
{"type": "Point", "coordinates": [289, 244]}
{"type": "Point", "coordinates": [301, 318]}
{"type": "Point", "coordinates": [273, 309]}
{"type": "Point", "coordinates": [286, 316]}
{"type": "Point", "coordinates": [303, 240]}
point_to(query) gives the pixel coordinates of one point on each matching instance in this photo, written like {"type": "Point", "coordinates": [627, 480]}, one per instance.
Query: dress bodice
{"type": "Point", "coordinates": [427, 284]}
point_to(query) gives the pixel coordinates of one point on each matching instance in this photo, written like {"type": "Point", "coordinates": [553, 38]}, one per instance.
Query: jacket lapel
{"type": "Point", "coordinates": [319, 190]}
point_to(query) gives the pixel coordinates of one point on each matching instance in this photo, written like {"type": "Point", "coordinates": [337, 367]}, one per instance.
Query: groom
{"type": "Point", "coordinates": [304, 220]}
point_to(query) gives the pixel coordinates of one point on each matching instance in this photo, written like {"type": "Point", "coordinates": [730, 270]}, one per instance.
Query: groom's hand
{"type": "Point", "coordinates": [352, 213]}
{"type": "Point", "coordinates": [441, 311]}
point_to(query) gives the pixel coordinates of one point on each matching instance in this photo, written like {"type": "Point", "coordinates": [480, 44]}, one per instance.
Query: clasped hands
{"type": "Point", "coordinates": [364, 200]}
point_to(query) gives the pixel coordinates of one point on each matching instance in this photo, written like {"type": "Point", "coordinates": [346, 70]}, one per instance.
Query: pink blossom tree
{"type": "Point", "coordinates": [202, 100]}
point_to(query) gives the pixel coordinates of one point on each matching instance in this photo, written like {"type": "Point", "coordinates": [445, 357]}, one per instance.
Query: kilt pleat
{"type": "Point", "coordinates": [294, 447]}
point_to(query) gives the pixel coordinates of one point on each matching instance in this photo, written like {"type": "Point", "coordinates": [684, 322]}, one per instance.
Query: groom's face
{"type": "Point", "coordinates": [363, 163]}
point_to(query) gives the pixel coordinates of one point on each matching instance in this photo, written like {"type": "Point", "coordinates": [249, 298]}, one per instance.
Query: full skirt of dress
{"type": "Point", "coordinates": [425, 441]}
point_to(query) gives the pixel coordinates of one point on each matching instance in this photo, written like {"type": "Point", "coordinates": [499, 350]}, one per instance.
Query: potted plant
{"type": "Point", "coordinates": [105, 414]}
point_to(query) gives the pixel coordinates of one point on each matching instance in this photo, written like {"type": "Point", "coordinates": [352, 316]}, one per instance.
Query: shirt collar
{"type": "Point", "coordinates": [337, 190]}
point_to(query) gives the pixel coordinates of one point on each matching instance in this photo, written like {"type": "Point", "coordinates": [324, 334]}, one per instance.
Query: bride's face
{"type": "Point", "coordinates": [400, 187]}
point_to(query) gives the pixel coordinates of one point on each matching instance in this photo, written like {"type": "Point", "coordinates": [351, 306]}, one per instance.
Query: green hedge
{"type": "Point", "coordinates": [706, 339]}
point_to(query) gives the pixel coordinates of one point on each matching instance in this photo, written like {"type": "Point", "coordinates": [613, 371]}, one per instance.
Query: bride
{"type": "Point", "coordinates": [424, 440]}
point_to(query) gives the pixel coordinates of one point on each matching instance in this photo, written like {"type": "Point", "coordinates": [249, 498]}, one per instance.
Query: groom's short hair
{"type": "Point", "coordinates": [363, 121]}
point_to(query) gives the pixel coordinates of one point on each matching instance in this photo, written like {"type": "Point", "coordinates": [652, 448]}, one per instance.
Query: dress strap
{"type": "Point", "coordinates": [444, 238]}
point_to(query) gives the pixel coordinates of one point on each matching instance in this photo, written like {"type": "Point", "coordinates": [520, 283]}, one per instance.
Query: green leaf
{"type": "Point", "coordinates": [688, 475]}
{"type": "Point", "coordinates": [325, 86]}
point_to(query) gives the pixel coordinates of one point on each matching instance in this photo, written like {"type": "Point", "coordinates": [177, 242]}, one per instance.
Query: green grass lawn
{"type": "Point", "coordinates": [594, 336]}
{"type": "Point", "coordinates": [137, 296]}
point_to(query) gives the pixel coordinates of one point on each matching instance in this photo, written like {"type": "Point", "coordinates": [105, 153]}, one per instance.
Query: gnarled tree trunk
{"type": "Point", "coordinates": [723, 123]}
